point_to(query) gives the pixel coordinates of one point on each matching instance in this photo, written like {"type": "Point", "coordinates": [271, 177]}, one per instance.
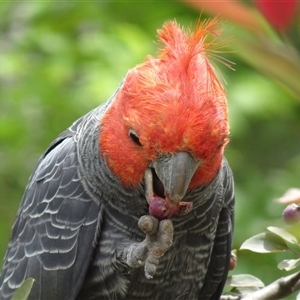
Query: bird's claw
{"type": "Point", "coordinates": [159, 238]}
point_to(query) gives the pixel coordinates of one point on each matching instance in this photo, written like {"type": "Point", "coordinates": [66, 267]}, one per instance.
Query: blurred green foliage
{"type": "Point", "coordinates": [23, 291]}
{"type": "Point", "coordinates": [58, 60]}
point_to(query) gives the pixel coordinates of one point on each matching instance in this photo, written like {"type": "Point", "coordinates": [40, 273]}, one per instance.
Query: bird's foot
{"type": "Point", "coordinates": [159, 238]}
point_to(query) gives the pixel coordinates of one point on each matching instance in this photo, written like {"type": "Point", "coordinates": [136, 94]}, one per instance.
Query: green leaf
{"type": "Point", "coordinates": [244, 281]}
{"type": "Point", "coordinates": [23, 291]}
{"type": "Point", "coordinates": [288, 237]}
{"type": "Point", "coordinates": [278, 61]}
{"type": "Point", "coordinates": [241, 291]}
{"type": "Point", "coordinates": [295, 231]}
{"type": "Point", "coordinates": [264, 243]}
{"type": "Point", "coordinates": [289, 264]}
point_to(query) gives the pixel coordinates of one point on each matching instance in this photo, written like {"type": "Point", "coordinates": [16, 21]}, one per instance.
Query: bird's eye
{"type": "Point", "coordinates": [134, 137]}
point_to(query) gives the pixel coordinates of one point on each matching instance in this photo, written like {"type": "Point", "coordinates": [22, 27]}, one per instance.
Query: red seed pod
{"type": "Point", "coordinates": [159, 209]}
{"type": "Point", "coordinates": [163, 208]}
{"type": "Point", "coordinates": [291, 214]}
{"type": "Point", "coordinates": [279, 13]}
{"type": "Point", "coordinates": [233, 261]}
{"type": "Point", "coordinates": [183, 208]}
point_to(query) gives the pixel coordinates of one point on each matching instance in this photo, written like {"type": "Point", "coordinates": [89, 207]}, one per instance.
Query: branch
{"type": "Point", "coordinates": [280, 288]}
{"type": "Point", "coordinates": [230, 297]}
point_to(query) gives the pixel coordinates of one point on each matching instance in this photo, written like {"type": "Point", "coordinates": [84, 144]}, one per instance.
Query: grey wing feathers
{"type": "Point", "coordinates": [221, 252]}
{"type": "Point", "coordinates": [53, 235]}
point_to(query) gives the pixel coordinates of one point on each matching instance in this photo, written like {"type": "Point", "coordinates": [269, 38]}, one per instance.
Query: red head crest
{"type": "Point", "coordinates": [172, 102]}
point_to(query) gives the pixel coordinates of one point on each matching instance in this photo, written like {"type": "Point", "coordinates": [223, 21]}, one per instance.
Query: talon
{"type": "Point", "coordinates": [153, 259]}
{"type": "Point", "coordinates": [136, 255]}
{"type": "Point", "coordinates": [159, 238]}
{"type": "Point", "coordinates": [158, 251]}
{"type": "Point", "coordinates": [166, 227]}
{"type": "Point", "coordinates": [151, 265]}
{"type": "Point", "coordinates": [148, 224]}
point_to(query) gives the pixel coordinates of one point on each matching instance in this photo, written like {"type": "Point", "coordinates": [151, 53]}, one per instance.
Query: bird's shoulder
{"type": "Point", "coordinates": [56, 224]}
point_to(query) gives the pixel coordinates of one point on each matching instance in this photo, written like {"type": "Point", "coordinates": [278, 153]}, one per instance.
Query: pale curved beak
{"type": "Point", "coordinates": [175, 171]}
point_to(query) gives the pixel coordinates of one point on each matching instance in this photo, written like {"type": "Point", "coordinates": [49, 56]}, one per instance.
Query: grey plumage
{"type": "Point", "coordinates": [76, 221]}
{"type": "Point", "coordinates": [83, 229]}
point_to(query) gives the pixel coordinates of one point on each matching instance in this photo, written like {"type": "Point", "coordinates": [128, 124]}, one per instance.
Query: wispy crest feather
{"type": "Point", "coordinates": [182, 43]}
{"type": "Point", "coordinates": [182, 59]}
{"type": "Point", "coordinates": [186, 51]}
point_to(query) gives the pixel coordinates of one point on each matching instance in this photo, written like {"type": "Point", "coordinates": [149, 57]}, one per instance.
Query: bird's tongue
{"type": "Point", "coordinates": [163, 208]}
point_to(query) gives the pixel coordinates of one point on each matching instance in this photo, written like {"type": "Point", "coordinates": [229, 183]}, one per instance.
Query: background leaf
{"type": "Point", "coordinates": [23, 291]}
{"type": "Point", "coordinates": [289, 264]}
{"type": "Point", "coordinates": [285, 235]}
{"type": "Point", "coordinates": [264, 243]}
{"type": "Point", "coordinates": [244, 280]}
